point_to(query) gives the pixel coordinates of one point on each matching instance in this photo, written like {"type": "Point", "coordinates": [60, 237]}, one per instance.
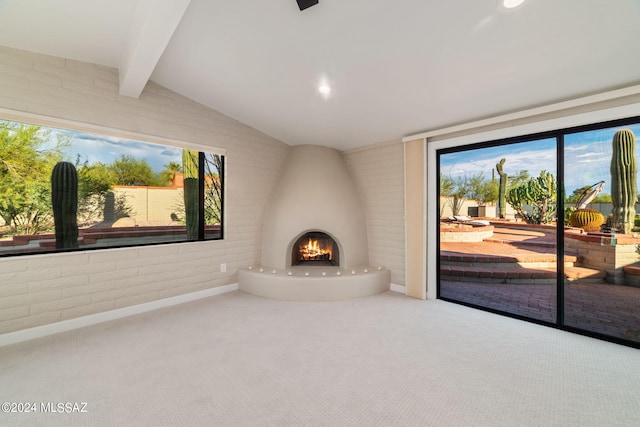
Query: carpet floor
{"type": "Point", "coordinates": [385, 360]}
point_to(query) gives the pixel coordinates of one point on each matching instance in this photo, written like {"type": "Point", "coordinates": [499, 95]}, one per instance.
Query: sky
{"type": "Point", "coordinates": [105, 149]}
{"type": "Point", "coordinates": [587, 157]}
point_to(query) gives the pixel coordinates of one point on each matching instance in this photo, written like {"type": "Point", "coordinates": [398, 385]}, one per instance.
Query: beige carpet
{"type": "Point", "coordinates": [385, 360]}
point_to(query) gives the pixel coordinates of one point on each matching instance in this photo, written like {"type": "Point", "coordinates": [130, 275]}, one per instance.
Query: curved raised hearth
{"type": "Point", "coordinates": [309, 283]}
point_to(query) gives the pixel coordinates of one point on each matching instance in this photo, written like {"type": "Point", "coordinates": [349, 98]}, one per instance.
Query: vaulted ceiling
{"type": "Point", "coordinates": [395, 67]}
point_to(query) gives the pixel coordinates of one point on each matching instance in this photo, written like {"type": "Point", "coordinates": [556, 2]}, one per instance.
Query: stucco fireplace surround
{"type": "Point", "coordinates": [314, 245]}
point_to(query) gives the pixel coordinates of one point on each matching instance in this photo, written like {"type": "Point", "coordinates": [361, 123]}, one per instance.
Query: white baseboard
{"type": "Point", "coordinates": [398, 288]}
{"type": "Point", "coordinates": [92, 319]}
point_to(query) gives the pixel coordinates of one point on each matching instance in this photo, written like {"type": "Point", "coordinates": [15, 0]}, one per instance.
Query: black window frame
{"type": "Point", "coordinates": [201, 227]}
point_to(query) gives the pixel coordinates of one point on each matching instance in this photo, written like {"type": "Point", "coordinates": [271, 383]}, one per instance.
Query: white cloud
{"type": "Point", "coordinates": [593, 161]}
{"type": "Point", "coordinates": [590, 155]}
{"type": "Point", "coordinates": [569, 148]}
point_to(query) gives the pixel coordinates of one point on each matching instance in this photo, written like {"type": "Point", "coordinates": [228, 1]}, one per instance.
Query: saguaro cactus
{"type": "Point", "coordinates": [190, 169]}
{"type": "Point", "coordinates": [623, 180]}
{"type": "Point", "coordinates": [502, 189]}
{"type": "Point", "coordinates": [64, 199]}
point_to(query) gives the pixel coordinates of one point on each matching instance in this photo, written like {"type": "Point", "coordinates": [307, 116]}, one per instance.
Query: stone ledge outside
{"type": "Point", "coordinates": [520, 274]}
{"type": "Point", "coordinates": [465, 233]}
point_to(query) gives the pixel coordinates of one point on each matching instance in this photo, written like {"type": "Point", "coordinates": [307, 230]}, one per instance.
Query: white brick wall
{"type": "Point", "coordinates": [40, 289]}
{"type": "Point", "coordinates": [378, 171]}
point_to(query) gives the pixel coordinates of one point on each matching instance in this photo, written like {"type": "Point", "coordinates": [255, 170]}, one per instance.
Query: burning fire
{"type": "Point", "coordinates": [313, 251]}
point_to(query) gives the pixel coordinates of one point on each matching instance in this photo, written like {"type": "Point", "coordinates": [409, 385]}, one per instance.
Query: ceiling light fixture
{"type": "Point", "coordinates": [511, 4]}
{"type": "Point", "coordinates": [324, 89]}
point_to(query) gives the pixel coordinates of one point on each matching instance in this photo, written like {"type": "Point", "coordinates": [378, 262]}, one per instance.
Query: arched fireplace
{"type": "Point", "coordinates": [327, 201]}
{"type": "Point", "coordinates": [314, 236]}
{"type": "Point", "coordinates": [315, 248]}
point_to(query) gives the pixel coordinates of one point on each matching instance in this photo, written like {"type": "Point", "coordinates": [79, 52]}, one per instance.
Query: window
{"type": "Point", "coordinates": [545, 227]}
{"type": "Point", "coordinates": [64, 190]}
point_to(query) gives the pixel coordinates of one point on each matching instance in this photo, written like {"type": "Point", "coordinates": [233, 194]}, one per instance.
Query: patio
{"type": "Point", "coordinates": [514, 271]}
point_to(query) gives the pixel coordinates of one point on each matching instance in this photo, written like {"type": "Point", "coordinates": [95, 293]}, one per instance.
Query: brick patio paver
{"type": "Point", "coordinates": [597, 307]}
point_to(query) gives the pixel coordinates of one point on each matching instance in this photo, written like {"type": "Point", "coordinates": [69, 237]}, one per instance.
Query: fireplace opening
{"type": "Point", "coordinates": [315, 248]}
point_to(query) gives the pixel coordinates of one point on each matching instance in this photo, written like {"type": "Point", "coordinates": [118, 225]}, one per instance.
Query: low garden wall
{"type": "Point", "coordinates": [466, 233]}
{"type": "Point", "coordinates": [597, 250]}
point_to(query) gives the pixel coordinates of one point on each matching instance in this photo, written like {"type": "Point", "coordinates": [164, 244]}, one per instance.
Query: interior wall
{"type": "Point", "coordinates": [378, 172]}
{"type": "Point", "coordinates": [41, 289]}
{"type": "Point", "coordinates": [415, 213]}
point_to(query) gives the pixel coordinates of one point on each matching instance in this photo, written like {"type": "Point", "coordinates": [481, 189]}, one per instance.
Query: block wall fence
{"type": "Point", "coordinates": [42, 289]}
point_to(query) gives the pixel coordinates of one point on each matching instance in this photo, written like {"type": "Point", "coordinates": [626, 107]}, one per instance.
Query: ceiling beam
{"type": "Point", "coordinates": [151, 30]}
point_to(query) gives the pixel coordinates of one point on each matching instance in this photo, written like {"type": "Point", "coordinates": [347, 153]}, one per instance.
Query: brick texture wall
{"type": "Point", "coordinates": [378, 171]}
{"type": "Point", "coordinates": [41, 289]}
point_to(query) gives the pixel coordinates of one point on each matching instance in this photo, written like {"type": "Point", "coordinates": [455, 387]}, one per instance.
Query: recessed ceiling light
{"type": "Point", "coordinates": [324, 89]}
{"type": "Point", "coordinates": [510, 4]}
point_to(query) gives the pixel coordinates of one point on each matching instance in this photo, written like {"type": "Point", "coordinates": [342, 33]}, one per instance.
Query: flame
{"type": "Point", "coordinates": [313, 250]}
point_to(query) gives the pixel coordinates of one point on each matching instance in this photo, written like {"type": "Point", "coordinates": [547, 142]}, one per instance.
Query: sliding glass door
{"type": "Point", "coordinates": [498, 243]}
{"type": "Point", "coordinates": [601, 182]}
{"type": "Point", "coordinates": [544, 228]}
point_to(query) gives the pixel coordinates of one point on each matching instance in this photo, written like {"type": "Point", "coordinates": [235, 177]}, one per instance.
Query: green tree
{"type": "Point", "coordinates": [128, 170]}
{"type": "Point", "coordinates": [483, 189]}
{"type": "Point", "coordinates": [457, 190]}
{"type": "Point", "coordinates": [27, 156]}
{"type": "Point", "coordinates": [447, 185]}
{"type": "Point", "coordinates": [602, 198]}
{"type": "Point", "coordinates": [459, 193]}
{"type": "Point", "coordinates": [213, 168]}
{"type": "Point", "coordinates": [96, 178]}
{"type": "Point", "coordinates": [518, 179]}
{"type": "Point", "coordinates": [96, 201]}
{"type": "Point", "coordinates": [169, 172]}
